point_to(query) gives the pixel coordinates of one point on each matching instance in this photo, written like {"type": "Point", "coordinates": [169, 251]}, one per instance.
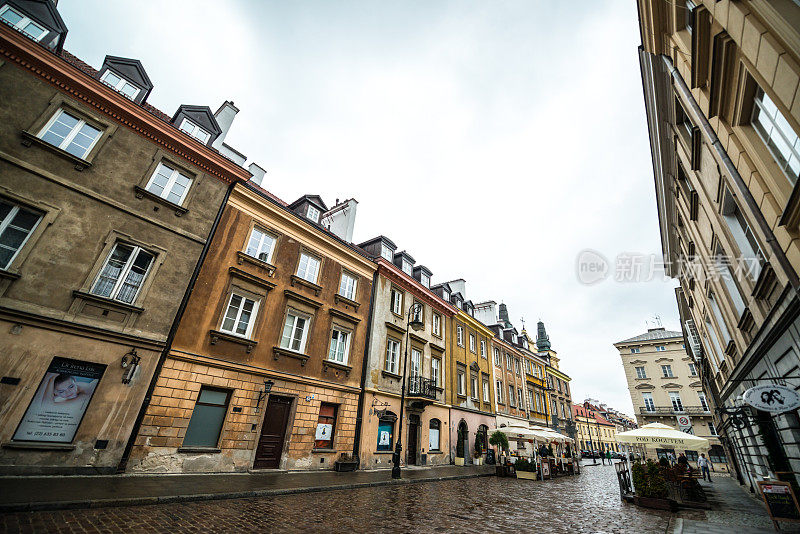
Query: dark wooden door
{"type": "Point", "coordinates": [412, 443]}
{"type": "Point", "coordinates": [273, 433]}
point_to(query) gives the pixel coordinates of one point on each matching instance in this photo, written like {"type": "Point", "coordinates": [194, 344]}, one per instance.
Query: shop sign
{"type": "Point", "coordinates": [772, 398]}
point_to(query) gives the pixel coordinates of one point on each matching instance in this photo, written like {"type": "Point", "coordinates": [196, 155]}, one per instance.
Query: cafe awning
{"type": "Point", "coordinates": [550, 435]}
{"type": "Point", "coordinates": [662, 436]}
{"type": "Point", "coordinates": [518, 432]}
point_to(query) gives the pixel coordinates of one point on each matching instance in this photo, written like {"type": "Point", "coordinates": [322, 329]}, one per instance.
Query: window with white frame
{"type": "Point", "coordinates": [498, 388]}
{"type": "Point", "coordinates": [406, 266]}
{"type": "Point", "coordinates": [483, 348]}
{"type": "Point", "coordinates": [666, 371]}
{"type": "Point", "coordinates": [511, 396]}
{"type": "Point", "coordinates": [436, 372]}
{"type": "Point", "coordinates": [472, 342]}
{"type": "Point", "coordinates": [425, 280]}
{"type": "Point", "coordinates": [194, 130]}
{"type": "Point", "coordinates": [313, 214]}
{"type": "Point", "coordinates": [752, 258]}
{"type": "Point", "coordinates": [17, 223]}
{"type": "Point", "coordinates": [474, 387]}
{"type": "Point", "coordinates": [295, 331]}
{"type": "Point", "coordinates": [123, 273]}
{"type": "Point", "coordinates": [716, 348]}
{"type": "Point", "coordinates": [392, 355]}
{"type": "Point", "coordinates": [21, 23]}
{"type": "Point", "coordinates": [635, 350]}
{"type": "Point", "coordinates": [416, 363]}
{"type": "Point", "coordinates": [308, 268]}
{"type": "Point", "coordinates": [460, 335]}
{"type": "Point", "coordinates": [520, 399]}
{"type": "Point", "coordinates": [386, 253]}
{"type": "Point", "coordinates": [677, 404]}
{"type": "Point", "coordinates": [397, 302]}
{"type": "Point", "coordinates": [70, 133]}
{"type": "Point", "coordinates": [723, 265]}
{"type": "Point", "coordinates": [776, 132]}
{"type": "Point", "coordinates": [119, 84]}
{"type": "Point", "coordinates": [715, 309]}
{"type": "Point", "coordinates": [692, 369]}
{"type": "Point", "coordinates": [649, 404]}
{"type": "Point", "coordinates": [688, 14]}
{"type": "Point", "coordinates": [703, 401]}
{"type": "Point", "coordinates": [530, 399]}
{"type": "Point", "coordinates": [347, 286]}
{"type": "Point", "coordinates": [169, 183]}
{"type": "Point", "coordinates": [660, 348]}
{"type": "Point", "coordinates": [486, 391]}
{"type": "Point", "coordinates": [508, 362]}
{"type": "Point", "coordinates": [446, 295]}
{"type": "Point", "coordinates": [239, 316]}
{"type": "Point", "coordinates": [462, 384]}
{"type": "Point", "coordinates": [712, 429]}
{"type": "Point", "coordinates": [340, 345]}
{"type": "Point", "coordinates": [517, 367]}
{"type": "Point", "coordinates": [640, 372]}
{"type": "Point", "coordinates": [497, 361]}
{"type": "Point", "coordinates": [261, 245]}
{"type": "Point", "coordinates": [436, 324]}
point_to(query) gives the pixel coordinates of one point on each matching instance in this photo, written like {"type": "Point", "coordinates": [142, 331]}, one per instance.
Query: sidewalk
{"type": "Point", "coordinates": [61, 492]}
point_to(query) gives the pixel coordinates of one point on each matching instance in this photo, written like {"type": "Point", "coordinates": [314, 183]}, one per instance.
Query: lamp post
{"type": "Point", "coordinates": [413, 320]}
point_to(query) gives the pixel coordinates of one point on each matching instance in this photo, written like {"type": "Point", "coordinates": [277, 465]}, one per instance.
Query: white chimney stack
{"type": "Point", "coordinates": [258, 174]}
{"type": "Point", "coordinates": [224, 115]}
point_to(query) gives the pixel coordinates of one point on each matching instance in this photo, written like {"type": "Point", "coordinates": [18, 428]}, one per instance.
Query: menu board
{"type": "Point", "coordinates": [780, 500]}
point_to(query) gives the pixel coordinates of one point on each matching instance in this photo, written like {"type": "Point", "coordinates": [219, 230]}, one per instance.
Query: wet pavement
{"type": "Point", "coordinates": [587, 503]}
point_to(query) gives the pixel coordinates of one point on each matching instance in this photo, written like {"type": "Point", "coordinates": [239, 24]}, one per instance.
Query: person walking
{"type": "Point", "coordinates": [608, 457]}
{"type": "Point", "coordinates": [704, 464]}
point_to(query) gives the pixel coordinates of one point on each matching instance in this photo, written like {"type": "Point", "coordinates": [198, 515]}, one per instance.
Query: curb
{"type": "Point", "coordinates": [138, 501]}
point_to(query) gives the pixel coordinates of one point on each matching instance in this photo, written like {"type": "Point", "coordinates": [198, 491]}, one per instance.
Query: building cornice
{"type": "Point", "coordinates": [391, 272]}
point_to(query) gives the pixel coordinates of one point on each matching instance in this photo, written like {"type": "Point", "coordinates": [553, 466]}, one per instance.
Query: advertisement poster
{"type": "Point", "coordinates": [60, 401]}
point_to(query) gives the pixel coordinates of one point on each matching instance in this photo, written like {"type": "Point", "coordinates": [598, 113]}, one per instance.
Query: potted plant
{"type": "Point", "coordinates": [346, 462]}
{"type": "Point", "coordinates": [525, 469]}
{"type": "Point", "coordinates": [499, 440]}
{"type": "Point", "coordinates": [651, 486]}
{"type": "Point", "coordinates": [478, 452]}
{"type": "Point", "coordinates": [460, 448]}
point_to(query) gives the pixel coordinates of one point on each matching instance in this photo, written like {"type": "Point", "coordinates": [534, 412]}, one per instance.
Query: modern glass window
{"type": "Point", "coordinates": [397, 302]}
{"type": "Point", "coordinates": [313, 214]}
{"type": "Point", "coordinates": [434, 442]}
{"type": "Point", "coordinates": [485, 391]}
{"type": "Point", "coordinates": [207, 419]}
{"type": "Point", "coordinates": [649, 405]}
{"type": "Point", "coordinates": [308, 268]}
{"type": "Point", "coordinates": [472, 342]}
{"type": "Point", "coordinates": [261, 245]}
{"type": "Point", "coordinates": [347, 286]}
{"type": "Point", "coordinates": [666, 371]}
{"type": "Point", "coordinates": [70, 133]}
{"type": "Point", "coordinates": [195, 131]}
{"type": "Point", "coordinates": [120, 84]}
{"type": "Point", "coordinates": [483, 348]}
{"type": "Point", "coordinates": [392, 355]}
{"type": "Point", "coordinates": [326, 426]}
{"type": "Point", "coordinates": [425, 280]}
{"type": "Point", "coordinates": [474, 387]}
{"type": "Point", "coordinates": [340, 346]}
{"type": "Point", "coordinates": [498, 388]}
{"type": "Point", "coordinates": [677, 404]}
{"type": "Point", "coordinates": [635, 350]}
{"type": "Point", "coordinates": [776, 132]}
{"type": "Point", "coordinates": [436, 372]}
{"type": "Point", "coordinates": [723, 265]}
{"type": "Point", "coordinates": [295, 331]}
{"type": "Point", "coordinates": [640, 372]}
{"type": "Point", "coordinates": [461, 383]}
{"type": "Point", "coordinates": [123, 274]}
{"type": "Point", "coordinates": [692, 369]}
{"type": "Point", "coordinates": [386, 432]}
{"type": "Point", "coordinates": [21, 23]}
{"type": "Point", "coordinates": [239, 316]}
{"type": "Point", "coordinates": [511, 395]}
{"type": "Point", "coordinates": [703, 401]}
{"type": "Point", "coordinates": [752, 258]}
{"type": "Point", "coordinates": [436, 324]}
{"type": "Point", "coordinates": [416, 363]}
{"type": "Point", "coordinates": [17, 223]}
{"type": "Point", "coordinates": [169, 184]}
{"type": "Point", "coordinates": [460, 335]}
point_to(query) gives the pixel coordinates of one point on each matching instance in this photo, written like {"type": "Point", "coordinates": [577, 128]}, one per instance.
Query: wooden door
{"type": "Point", "coordinates": [273, 433]}
{"type": "Point", "coordinates": [413, 432]}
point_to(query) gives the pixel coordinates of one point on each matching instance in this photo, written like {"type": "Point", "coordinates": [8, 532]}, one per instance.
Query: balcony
{"type": "Point", "coordinates": [421, 388]}
{"type": "Point", "coordinates": [663, 410]}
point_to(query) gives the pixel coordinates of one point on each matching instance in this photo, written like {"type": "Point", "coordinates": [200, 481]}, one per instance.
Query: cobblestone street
{"type": "Point", "coordinates": [586, 503]}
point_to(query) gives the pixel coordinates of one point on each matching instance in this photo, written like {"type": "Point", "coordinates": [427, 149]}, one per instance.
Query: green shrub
{"type": "Point", "coordinates": [498, 439]}
{"type": "Point", "coordinates": [523, 464]}
{"type": "Point", "coordinates": [649, 481]}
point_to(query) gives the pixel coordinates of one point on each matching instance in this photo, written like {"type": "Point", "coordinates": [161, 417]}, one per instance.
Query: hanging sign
{"type": "Point", "coordinates": [685, 424]}
{"type": "Point", "coordinates": [772, 398]}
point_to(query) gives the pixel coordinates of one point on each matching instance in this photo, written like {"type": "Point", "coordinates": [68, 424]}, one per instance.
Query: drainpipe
{"type": "Point", "coordinates": [364, 367]}
{"type": "Point", "coordinates": [742, 190]}
{"type": "Point", "coordinates": [123, 463]}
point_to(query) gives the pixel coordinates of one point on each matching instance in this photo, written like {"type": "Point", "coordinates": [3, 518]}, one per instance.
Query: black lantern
{"type": "Point", "coordinates": [261, 396]}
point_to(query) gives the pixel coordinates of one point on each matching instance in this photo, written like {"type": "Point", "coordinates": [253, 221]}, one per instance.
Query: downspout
{"type": "Point", "coordinates": [742, 190]}
{"type": "Point", "coordinates": [123, 463]}
{"type": "Point", "coordinates": [364, 367]}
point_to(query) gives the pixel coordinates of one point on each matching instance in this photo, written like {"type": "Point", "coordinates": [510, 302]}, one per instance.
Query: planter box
{"type": "Point", "coordinates": [459, 461]}
{"type": "Point", "coordinates": [478, 461]}
{"type": "Point", "coordinates": [655, 503]}
{"type": "Point", "coordinates": [345, 466]}
{"type": "Point", "coordinates": [527, 475]}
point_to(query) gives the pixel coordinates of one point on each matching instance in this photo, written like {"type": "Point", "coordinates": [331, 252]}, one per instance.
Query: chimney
{"type": "Point", "coordinates": [504, 315]}
{"type": "Point", "coordinates": [258, 174]}
{"type": "Point", "coordinates": [224, 115]}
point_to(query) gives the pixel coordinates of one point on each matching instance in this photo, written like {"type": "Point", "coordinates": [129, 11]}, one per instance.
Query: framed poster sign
{"type": "Point", "coordinates": [60, 401]}
{"type": "Point", "coordinates": [545, 469]}
{"type": "Point", "coordinates": [780, 500]}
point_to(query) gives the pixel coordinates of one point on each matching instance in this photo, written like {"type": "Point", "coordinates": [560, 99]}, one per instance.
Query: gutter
{"type": "Point", "coordinates": [364, 366]}
{"type": "Point", "coordinates": [171, 336]}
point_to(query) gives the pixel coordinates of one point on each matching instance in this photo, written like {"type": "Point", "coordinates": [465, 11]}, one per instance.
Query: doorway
{"type": "Point", "coordinates": [273, 433]}
{"type": "Point", "coordinates": [413, 439]}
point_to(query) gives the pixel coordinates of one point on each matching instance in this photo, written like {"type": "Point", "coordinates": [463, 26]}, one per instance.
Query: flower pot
{"type": "Point", "coordinates": [479, 461]}
{"type": "Point", "coordinates": [527, 475]}
{"type": "Point", "coordinates": [459, 461]}
{"type": "Point", "coordinates": [345, 465]}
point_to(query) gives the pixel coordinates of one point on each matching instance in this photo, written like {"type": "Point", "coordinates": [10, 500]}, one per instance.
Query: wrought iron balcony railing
{"type": "Point", "coordinates": [421, 387]}
{"type": "Point", "coordinates": [664, 410]}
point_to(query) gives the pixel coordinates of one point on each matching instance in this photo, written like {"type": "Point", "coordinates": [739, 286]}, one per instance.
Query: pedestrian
{"type": "Point", "coordinates": [671, 458]}
{"type": "Point", "coordinates": [608, 457]}
{"type": "Point", "coordinates": [704, 464]}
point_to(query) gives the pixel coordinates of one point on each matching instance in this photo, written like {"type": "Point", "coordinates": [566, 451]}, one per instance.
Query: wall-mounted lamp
{"type": "Point", "coordinates": [129, 362]}
{"type": "Point", "coordinates": [261, 396]}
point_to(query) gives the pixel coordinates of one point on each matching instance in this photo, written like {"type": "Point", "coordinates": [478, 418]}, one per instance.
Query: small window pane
{"type": "Point", "coordinates": [206, 422]}
{"type": "Point", "coordinates": [111, 79]}
{"type": "Point", "coordinates": [33, 30]}
{"type": "Point", "coordinates": [11, 16]}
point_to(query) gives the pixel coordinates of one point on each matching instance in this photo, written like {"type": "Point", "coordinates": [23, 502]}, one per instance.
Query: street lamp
{"type": "Point", "coordinates": [413, 320]}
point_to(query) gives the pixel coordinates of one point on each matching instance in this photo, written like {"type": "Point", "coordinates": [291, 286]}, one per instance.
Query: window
{"type": "Point", "coordinates": [667, 371]}
{"type": "Point", "coordinates": [508, 362]}
{"type": "Point", "coordinates": [16, 225]}
{"type": "Point", "coordinates": [682, 121]}
{"type": "Point", "coordinates": [195, 131]}
{"type": "Point", "coordinates": [326, 426]}
{"type": "Point", "coordinates": [497, 361]}
{"type": "Point", "coordinates": [71, 134]}
{"type": "Point", "coordinates": [207, 418]}
{"type": "Point", "coordinates": [239, 316]}
{"type": "Point", "coordinates": [436, 372]}
{"type": "Point", "coordinates": [397, 302]}
{"type": "Point", "coordinates": [295, 331]}
{"type": "Point", "coordinates": [386, 431]}
{"type": "Point", "coordinates": [498, 388]}
{"type": "Point", "coordinates": [692, 369]}
{"type": "Point", "coordinates": [386, 252]}
{"type": "Point", "coordinates": [485, 391]}
{"type": "Point", "coordinates": [261, 245]}
{"type": "Point", "coordinates": [777, 134]}
{"type": "Point", "coordinates": [712, 429]}
{"type": "Point", "coordinates": [392, 355]}
{"type": "Point", "coordinates": [649, 405]}
{"type": "Point", "coordinates": [563, 412]}
{"type": "Point", "coordinates": [752, 258]}
{"type": "Point", "coordinates": [640, 372]}
{"type": "Point", "coordinates": [461, 383]}
{"type": "Point", "coordinates": [406, 266]}
{"type": "Point", "coordinates": [433, 435]}
{"type": "Point", "coordinates": [21, 23]}
{"type": "Point", "coordinates": [530, 399]}
{"type": "Point", "coordinates": [347, 286]}
{"type": "Point", "coordinates": [436, 324]}
{"type": "Point", "coordinates": [169, 184]}
{"type": "Point", "coordinates": [511, 395]}
{"type": "Point", "coordinates": [634, 350]}
{"type": "Point", "coordinates": [703, 401]}
{"type": "Point", "coordinates": [308, 268]}
{"type": "Point", "coordinates": [313, 214]}
{"type": "Point", "coordinates": [120, 84]}
{"type": "Point", "coordinates": [472, 342]}
{"type": "Point", "coordinates": [460, 335]}
{"type": "Point", "coordinates": [660, 348]}
{"type": "Point", "coordinates": [726, 336]}
{"type": "Point", "coordinates": [124, 272]}
{"type": "Point", "coordinates": [483, 348]}
{"type": "Point", "coordinates": [416, 362]}
{"type": "Point", "coordinates": [677, 404]}
{"type": "Point", "coordinates": [520, 399]}
{"type": "Point", "coordinates": [716, 349]}
{"type": "Point", "coordinates": [425, 279]}
{"type": "Point", "coordinates": [474, 386]}
{"type": "Point", "coordinates": [340, 346]}
{"type": "Point", "coordinates": [688, 15]}
{"type": "Point", "coordinates": [538, 403]}
{"type": "Point", "coordinates": [722, 263]}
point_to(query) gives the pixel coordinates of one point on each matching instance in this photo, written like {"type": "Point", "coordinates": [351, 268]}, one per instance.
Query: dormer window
{"type": "Point", "coordinates": [386, 253]}
{"type": "Point", "coordinates": [120, 84]}
{"type": "Point", "coordinates": [21, 23]}
{"type": "Point", "coordinates": [195, 131]}
{"type": "Point", "coordinates": [406, 267]}
{"type": "Point", "coordinates": [446, 296]}
{"type": "Point", "coordinates": [425, 279]}
{"type": "Point", "coordinates": [313, 214]}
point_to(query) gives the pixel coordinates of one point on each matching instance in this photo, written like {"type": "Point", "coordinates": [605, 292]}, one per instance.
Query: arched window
{"type": "Point", "coordinates": [434, 443]}
{"type": "Point", "coordinates": [483, 433]}
{"type": "Point", "coordinates": [386, 431]}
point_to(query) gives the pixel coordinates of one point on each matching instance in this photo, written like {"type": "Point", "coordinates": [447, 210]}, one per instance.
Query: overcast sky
{"type": "Point", "coordinates": [493, 140]}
